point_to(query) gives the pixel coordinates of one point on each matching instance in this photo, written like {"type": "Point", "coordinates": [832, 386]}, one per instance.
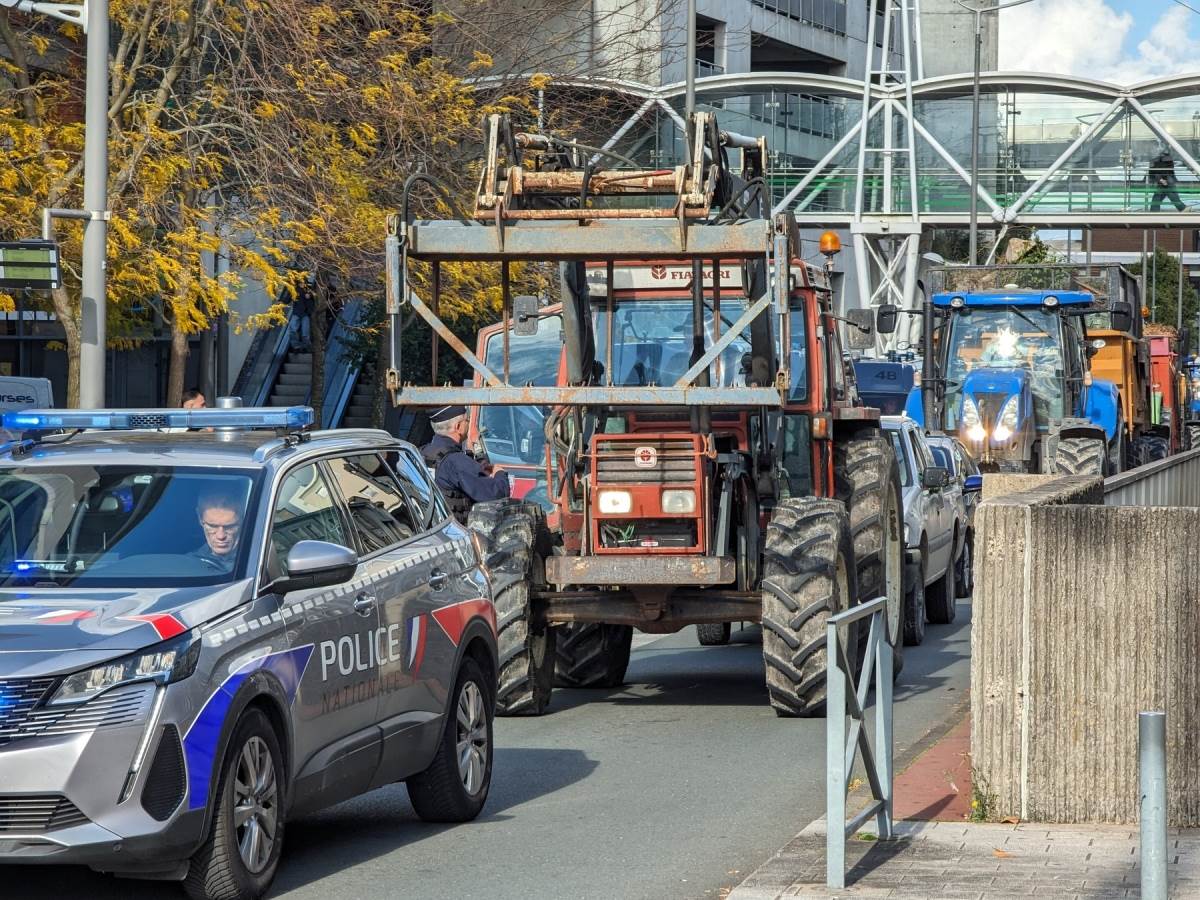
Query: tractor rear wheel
{"type": "Point", "coordinates": [1079, 456]}
{"type": "Point", "coordinates": [592, 655]}
{"type": "Point", "coordinates": [867, 481]}
{"type": "Point", "coordinates": [1157, 447]}
{"type": "Point", "coordinates": [714, 634]}
{"type": "Point", "coordinates": [514, 537]}
{"type": "Point", "coordinates": [808, 576]}
{"type": "Point", "coordinates": [1192, 437]}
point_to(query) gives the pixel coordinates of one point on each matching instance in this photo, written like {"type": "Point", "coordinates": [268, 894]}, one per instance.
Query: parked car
{"type": "Point", "coordinates": [209, 632]}
{"type": "Point", "coordinates": [930, 530]}
{"type": "Point", "coordinates": [965, 485]}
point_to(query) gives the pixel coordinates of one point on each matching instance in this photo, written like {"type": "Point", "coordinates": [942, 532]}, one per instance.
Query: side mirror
{"type": "Point", "coordinates": [860, 333]}
{"type": "Point", "coordinates": [1122, 316]}
{"type": "Point", "coordinates": [314, 564]}
{"type": "Point", "coordinates": [973, 483]}
{"type": "Point", "coordinates": [526, 315]}
{"type": "Point", "coordinates": [885, 318]}
{"type": "Point", "coordinates": [934, 478]}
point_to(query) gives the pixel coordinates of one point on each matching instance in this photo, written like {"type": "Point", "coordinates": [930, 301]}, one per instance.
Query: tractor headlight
{"type": "Point", "coordinates": [679, 502]}
{"type": "Point", "coordinates": [972, 425]}
{"type": "Point", "coordinates": [1008, 421]}
{"type": "Point", "coordinates": [615, 503]}
{"type": "Point", "coordinates": [167, 663]}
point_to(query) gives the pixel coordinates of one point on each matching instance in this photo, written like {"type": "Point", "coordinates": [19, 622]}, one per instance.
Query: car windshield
{"type": "Point", "coordinates": [1012, 338]}
{"type": "Point", "coordinates": [652, 342]}
{"type": "Point", "coordinates": [123, 526]}
{"type": "Point", "coordinates": [514, 434]}
{"type": "Point", "coordinates": [906, 478]}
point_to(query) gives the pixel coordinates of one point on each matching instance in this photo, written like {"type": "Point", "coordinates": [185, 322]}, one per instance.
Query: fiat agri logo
{"type": "Point", "coordinates": [645, 457]}
{"type": "Point", "coordinates": [659, 272]}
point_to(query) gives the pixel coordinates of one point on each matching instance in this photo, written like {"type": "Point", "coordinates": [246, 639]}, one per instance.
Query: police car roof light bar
{"type": "Point", "coordinates": [290, 418]}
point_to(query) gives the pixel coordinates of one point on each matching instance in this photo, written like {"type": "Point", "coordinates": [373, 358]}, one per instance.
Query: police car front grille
{"type": "Point", "coordinates": [36, 813]}
{"type": "Point", "coordinates": [123, 706]}
{"type": "Point", "coordinates": [18, 698]}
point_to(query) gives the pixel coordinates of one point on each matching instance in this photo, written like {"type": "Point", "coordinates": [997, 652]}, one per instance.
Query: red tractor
{"type": "Point", "coordinates": [707, 457]}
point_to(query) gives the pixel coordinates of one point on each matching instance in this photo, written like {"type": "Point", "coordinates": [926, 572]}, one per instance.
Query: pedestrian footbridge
{"type": "Point", "coordinates": [1054, 151]}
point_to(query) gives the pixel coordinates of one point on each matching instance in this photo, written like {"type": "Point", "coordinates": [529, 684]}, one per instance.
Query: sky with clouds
{"type": "Point", "coordinates": [1120, 41]}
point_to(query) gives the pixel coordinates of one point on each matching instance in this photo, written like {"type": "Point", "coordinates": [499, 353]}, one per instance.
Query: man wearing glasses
{"type": "Point", "coordinates": [221, 520]}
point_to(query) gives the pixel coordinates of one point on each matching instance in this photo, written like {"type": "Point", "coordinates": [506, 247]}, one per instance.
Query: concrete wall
{"type": "Point", "coordinates": [1084, 615]}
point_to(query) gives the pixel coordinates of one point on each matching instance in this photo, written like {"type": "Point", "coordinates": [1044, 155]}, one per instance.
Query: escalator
{"type": "Point", "coordinates": [274, 374]}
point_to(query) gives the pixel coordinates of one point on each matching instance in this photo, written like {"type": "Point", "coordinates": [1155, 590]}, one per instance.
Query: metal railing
{"type": "Point", "coordinates": [842, 749]}
{"type": "Point", "coordinates": [1174, 481]}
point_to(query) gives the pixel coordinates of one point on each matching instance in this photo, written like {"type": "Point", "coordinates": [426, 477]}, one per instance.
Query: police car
{"type": "Point", "coordinates": [203, 634]}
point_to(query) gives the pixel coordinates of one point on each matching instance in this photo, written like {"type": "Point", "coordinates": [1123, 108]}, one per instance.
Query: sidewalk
{"type": "Point", "coordinates": [954, 859]}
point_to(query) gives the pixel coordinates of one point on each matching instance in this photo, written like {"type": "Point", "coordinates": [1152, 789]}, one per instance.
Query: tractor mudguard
{"type": "Point", "coordinates": [1102, 407]}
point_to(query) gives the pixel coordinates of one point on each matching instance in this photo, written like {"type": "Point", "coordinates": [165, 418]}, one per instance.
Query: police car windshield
{"type": "Point", "coordinates": [123, 526]}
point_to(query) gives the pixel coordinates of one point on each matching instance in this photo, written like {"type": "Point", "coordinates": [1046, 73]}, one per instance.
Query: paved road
{"type": "Point", "coordinates": [673, 787]}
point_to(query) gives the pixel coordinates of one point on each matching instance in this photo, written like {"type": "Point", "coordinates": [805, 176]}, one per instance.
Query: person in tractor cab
{"type": "Point", "coordinates": [463, 480]}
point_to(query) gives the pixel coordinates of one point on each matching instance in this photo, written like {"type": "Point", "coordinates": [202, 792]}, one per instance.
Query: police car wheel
{"type": "Point", "coordinates": [455, 786]}
{"type": "Point", "coordinates": [241, 853]}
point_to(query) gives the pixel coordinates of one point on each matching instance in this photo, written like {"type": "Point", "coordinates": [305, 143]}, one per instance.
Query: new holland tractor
{"type": "Point", "coordinates": [1191, 403]}
{"type": "Point", "coordinates": [707, 457]}
{"type": "Point", "coordinates": [1007, 370]}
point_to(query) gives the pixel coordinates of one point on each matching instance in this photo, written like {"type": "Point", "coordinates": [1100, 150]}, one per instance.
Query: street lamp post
{"type": "Point", "coordinates": [92, 17]}
{"type": "Point", "coordinates": [979, 8]}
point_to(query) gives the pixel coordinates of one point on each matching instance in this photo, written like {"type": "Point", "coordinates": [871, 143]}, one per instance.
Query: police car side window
{"type": "Point", "coordinates": [378, 511]}
{"type": "Point", "coordinates": [304, 511]}
{"type": "Point", "coordinates": [414, 479]}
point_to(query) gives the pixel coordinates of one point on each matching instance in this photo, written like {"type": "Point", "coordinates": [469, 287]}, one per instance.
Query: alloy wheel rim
{"type": "Point", "coordinates": [472, 738]}
{"type": "Point", "coordinates": [255, 804]}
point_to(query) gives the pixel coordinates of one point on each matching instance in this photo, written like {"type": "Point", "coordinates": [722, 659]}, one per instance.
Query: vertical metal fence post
{"type": "Point", "coordinates": [883, 721]}
{"type": "Point", "coordinates": [1152, 752]}
{"type": "Point", "coordinates": [835, 764]}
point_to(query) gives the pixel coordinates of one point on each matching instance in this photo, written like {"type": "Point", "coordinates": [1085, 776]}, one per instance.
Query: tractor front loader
{"type": "Point", "coordinates": [707, 457]}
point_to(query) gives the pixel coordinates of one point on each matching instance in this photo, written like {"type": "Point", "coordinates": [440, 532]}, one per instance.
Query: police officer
{"type": "Point", "coordinates": [462, 480]}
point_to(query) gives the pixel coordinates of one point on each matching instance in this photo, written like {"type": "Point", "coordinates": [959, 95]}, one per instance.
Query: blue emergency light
{"type": "Point", "coordinates": [291, 418]}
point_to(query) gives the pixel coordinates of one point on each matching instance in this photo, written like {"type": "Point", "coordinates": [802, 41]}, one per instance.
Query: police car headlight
{"type": "Point", "coordinates": [615, 502]}
{"type": "Point", "coordinates": [679, 502]}
{"type": "Point", "coordinates": [167, 662]}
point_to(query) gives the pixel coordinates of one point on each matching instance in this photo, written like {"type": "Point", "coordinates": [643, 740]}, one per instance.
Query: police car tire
{"type": "Point", "coordinates": [512, 532]}
{"type": "Point", "coordinates": [714, 634]}
{"type": "Point", "coordinates": [592, 655]}
{"type": "Point", "coordinates": [438, 794]}
{"type": "Point", "coordinates": [216, 871]}
{"type": "Point", "coordinates": [940, 607]}
{"type": "Point", "coordinates": [1079, 456]}
{"type": "Point", "coordinates": [808, 575]}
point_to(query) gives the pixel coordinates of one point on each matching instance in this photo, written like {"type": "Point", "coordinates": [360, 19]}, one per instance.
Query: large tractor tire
{"type": "Point", "coordinates": [867, 481]}
{"type": "Point", "coordinates": [1192, 437]}
{"type": "Point", "coordinates": [514, 539]}
{"type": "Point", "coordinates": [1080, 456]}
{"type": "Point", "coordinates": [1157, 447]}
{"type": "Point", "coordinates": [591, 655]}
{"type": "Point", "coordinates": [808, 575]}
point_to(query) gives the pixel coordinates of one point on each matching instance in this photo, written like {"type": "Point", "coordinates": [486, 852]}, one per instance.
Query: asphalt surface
{"type": "Point", "coordinates": [676, 786]}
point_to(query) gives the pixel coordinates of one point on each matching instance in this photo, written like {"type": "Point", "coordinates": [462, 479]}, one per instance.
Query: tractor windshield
{"type": "Point", "coordinates": [1008, 337]}
{"type": "Point", "coordinates": [652, 342]}
{"type": "Point", "coordinates": [513, 435]}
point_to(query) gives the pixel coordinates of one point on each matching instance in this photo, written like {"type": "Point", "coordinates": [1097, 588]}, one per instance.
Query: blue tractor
{"type": "Point", "coordinates": [1007, 371]}
{"type": "Point", "coordinates": [885, 383]}
{"type": "Point", "coordinates": [1191, 403]}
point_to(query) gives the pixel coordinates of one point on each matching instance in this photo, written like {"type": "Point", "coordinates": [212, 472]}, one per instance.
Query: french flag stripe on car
{"type": "Point", "coordinates": [165, 624]}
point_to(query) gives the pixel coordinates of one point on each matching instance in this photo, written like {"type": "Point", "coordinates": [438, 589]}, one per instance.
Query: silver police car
{"type": "Point", "coordinates": [203, 634]}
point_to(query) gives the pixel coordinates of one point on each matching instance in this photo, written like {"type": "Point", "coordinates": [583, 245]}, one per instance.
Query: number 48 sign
{"type": "Point", "coordinates": [29, 265]}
